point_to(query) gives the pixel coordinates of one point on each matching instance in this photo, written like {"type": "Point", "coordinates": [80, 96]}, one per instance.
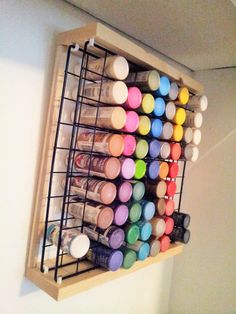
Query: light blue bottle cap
{"type": "Point", "coordinates": [143, 252]}
{"type": "Point", "coordinates": [148, 209]}
{"type": "Point", "coordinates": [145, 229]}
{"type": "Point", "coordinates": [159, 107]}
{"type": "Point", "coordinates": [164, 87]}
{"type": "Point", "coordinates": [156, 127]}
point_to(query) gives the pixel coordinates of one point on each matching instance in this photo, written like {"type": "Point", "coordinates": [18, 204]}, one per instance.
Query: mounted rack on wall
{"type": "Point", "coordinates": [103, 178]}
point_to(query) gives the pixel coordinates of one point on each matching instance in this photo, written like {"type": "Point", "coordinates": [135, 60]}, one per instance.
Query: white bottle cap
{"type": "Point", "coordinates": [203, 103]}
{"type": "Point", "coordinates": [158, 226]}
{"type": "Point", "coordinates": [167, 131]}
{"type": "Point", "coordinates": [170, 110]}
{"type": "Point", "coordinates": [198, 119]}
{"type": "Point", "coordinates": [191, 152]}
{"type": "Point", "coordinates": [79, 246]}
{"type": "Point", "coordinates": [119, 68]}
{"type": "Point", "coordinates": [119, 92]}
{"type": "Point", "coordinates": [188, 135]}
{"type": "Point", "coordinates": [164, 150]}
{"type": "Point", "coordinates": [197, 135]}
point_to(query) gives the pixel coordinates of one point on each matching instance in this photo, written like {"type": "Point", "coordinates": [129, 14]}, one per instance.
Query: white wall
{"type": "Point", "coordinates": [204, 277]}
{"type": "Point", "coordinates": [27, 32]}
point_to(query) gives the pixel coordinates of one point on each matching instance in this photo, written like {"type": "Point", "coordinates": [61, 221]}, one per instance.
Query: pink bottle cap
{"type": "Point", "coordinates": [169, 225]}
{"type": "Point", "coordinates": [132, 121]}
{"type": "Point", "coordinates": [170, 207]}
{"type": "Point", "coordinates": [125, 191]}
{"type": "Point", "coordinates": [129, 145]}
{"type": "Point", "coordinates": [134, 98]}
{"type": "Point", "coordinates": [164, 243]}
{"type": "Point", "coordinates": [171, 188]}
{"type": "Point", "coordinates": [175, 151]}
{"type": "Point", "coordinates": [127, 168]}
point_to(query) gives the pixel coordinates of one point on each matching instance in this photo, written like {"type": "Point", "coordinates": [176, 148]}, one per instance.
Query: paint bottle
{"type": "Point", "coordinates": [164, 87]}
{"type": "Point", "coordinates": [164, 150]}
{"type": "Point", "coordinates": [156, 127]}
{"type": "Point", "coordinates": [181, 219]}
{"type": "Point", "coordinates": [174, 91]}
{"type": "Point", "coordinates": [145, 229]}
{"type": "Point", "coordinates": [144, 125]}
{"type": "Point", "coordinates": [170, 207]}
{"type": "Point", "coordinates": [111, 144]}
{"type": "Point", "coordinates": [146, 80]}
{"type": "Point", "coordinates": [141, 149]}
{"type": "Point", "coordinates": [191, 152]}
{"type": "Point", "coordinates": [105, 257]}
{"type": "Point", "coordinates": [155, 247]}
{"type": "Point", "coordinates": [148, 209]}
{"type": "Point", "coordinates": [167, 131]}
{"type": "Point", "coordinates": [160, 206]}
{"type": "Point", "coordinates": [170, 110]}
{"type": "Point", "coordinates": [134, 98]}
{"type": "Point", "coordinates": [158, 226]}
{"type": "Point", "coordinates": [173, 170]}
{"type": "Point", "coordinates": [124, 191]}
{"type": "Point", "coordinates": [159, 107]}
{"type": "Point", "coordinates": [178, 133]}
{"type": "Point", "coordinates": [115, 67]}
{"type": "Point", "coordinates": [135, 211]}
{"type": "Point", "coordinates": [96, 214]}
{"type": "Point", "coordinates": [180, 116]}
{"type": "Point", "coordinates": [164, 169]}
{"type": "Point", "coordinates": [132, 122]}
{"type": "Point", "coordinates": [164, 243]}
{"type": "Point", "coordinates": [138, 190]}
{"type": "Point", "coordinates": [105, 167]}
{"type": "Point", "coordinates": [180, 235]}
{"type": "Point", "coordinates": [188, 135]}
{"type": "Point", "coordinates": [193, 119]}
{"type": "Point", "coordinates": [175, 151]}
{"type": "Point", "coordinates": [141, 248]}
{"type": "Point", "coordinates": [198, 103]}
{"type": "Point", "coordinates": [140, 169]}
{"type": "Point", "coordinates": [73, 241]}
{"type": "Point", "coordinates": [183, 96]}
{"type": "Point", "coordinates": [131, 233]}
{"type": "Point", "coordinates": [97, 190]}
{"type": "Point", "coordinates": [170, 188]}
{"type": "Point", "coordinates": [154, 147]}
{"type": "Point", "coordinates": [147, 103]}
{"type": "Point", "coordinates": [112, 237]}
{"type": "Point", "coordinates": [121, 213]}
{"type": "Point", "coordinates": [129, 144]}
{"type": "Point", "coordinates": [157, 189]}
{"type": "Point", "coordinates": [153, 169]}
{"type": "Point", "coordinates": [114, 93]}
{"type": "Point", "coordinates": [197, 136]}
{"type": "Point", "coordinates": [128, 168]}
{"type": "Point", "coordinates": [169, 225]}
{"type": "Point", "coordinates": [130, 257]}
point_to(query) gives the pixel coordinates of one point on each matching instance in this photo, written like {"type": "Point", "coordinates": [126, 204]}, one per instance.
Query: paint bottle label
{"type": "Point", "coordinates": [88, 116]}
{"type": "Point", "coordinates": [91, 211]}
{"type": "Point", "coordinates": [101, 142]}
{"type": "Point", "coordinates": [98, 234]}
{"type": "Point", "coordinates": [82, 162]}
{"type": "Point", "coordinates": [100, 255]}
{"type": "Point", "coordinates": [136, 246]}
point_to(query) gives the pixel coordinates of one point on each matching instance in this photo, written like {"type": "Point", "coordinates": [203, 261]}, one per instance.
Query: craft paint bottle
{"type": "Point", "coordinates": [159, 107]}
{"type": "Point", "coordinates": [180, 235]}
{"type": "Point", "coordinates": [169, 225]}
{"type": "Point", "coordinates": [96, 214]}
{"type": "Point", "coordinates": [131, 233]}
{"type": "Point", "coordinates": [183, 96]}
{"type": "Point", "coordinates": [146, 80]}
{"type": "Point", "coordinates": [173, 170]}
{"type": "Point", "coordinates": [124, 191]}
{"type": "Point", "coordinates": [164, 87]}
{"type": "Point", "coordinates": [181, 219]}
{"type": "Point", "coordinates": [140, 169]}
{"type": "Point", "coordinates": [145, 229]}
{"type": "Point", "coordinates": [164, 150]}
{"type": "Point", "coordinates": [154, 148]}
{"type": "Point", "coordinates": [141, 149]}
{"type": "Point", "coordinates": [138, 190]}
{"type": "Point", "coordinates": [158, 226]}
{"type": "Point", "coordinates": [153, 169]}
{"type": "Point", "coordinates": [164, 243]}
{"type": "Point", "coordinates": [135, 211]}
{"type": "Point", "coordinates": [175, 151]}
{"type": "Point", "coordinates": [160, 206]}
{"type": "Point", "coordinates": [197, 136]}
{"type": "Point", "coordinates": [141, 248]}
{"type": "Point", "coordinates": [170, 188]}
{"type": "Point", "coordinates": [188, 135]}
{"type": "Point", "coordinates": [73, 241]}
{"type": "Point", "coordinates": [167, 131]}
{"type": "Point", "coordinates": [97, 190]}
{"type": "Point", "coordinates": [180, 116]}
{"type": "Point", "coordinates": [128, 168]}
{"type": "Point", "coordinates": [191, 152]}
{"type": "Point", "coordinates": [105, 257]}
{"type": "Point", "coordinates": [198, 103]}
{"type": "Point", "coordinates": [112, 237]}
{"type": "Point", "coordinates": [174, 91]}
{"type": "Point", "coordinates": [157, 189]}
{"type": "Point", "coordinates": [178, 133]}
{"type": "Point", "coordinates": [170, 110]}
{"type": "Point", "coordinates": [170, 207]}
{"type": "Point", "coordinates": [148, 209]}
{"type": "Point", "coordinates": [121, 213]}
{"type": "Point", "coordinates": [144, 125]}
{"type": "Point", "coordinates": [132, 122]}
{"type": "Point", "coordinates": [156, 127]}
{"type": "Point", "coordinates": [193, 119]}
{"type": "Point", "coordinates": [147, 103]}
{"type": "Point", "coordinates": [114, 93]}
{"type": "Point", "coordinates": [134, 98]}
{"type": "Point", "coordinates": [108, 117]}
{"type": "Point", "coordinates": [130, 257]}
{"type": "Point", "coordinates": [129, 144]}
{"type": "Point", "coordinates": [115, 67]}
{"type": "Point", "coordinates": [164, 169]}
{"type": "Point", "coordinates": [111, 144]}
{"type": "Point", "coordinates": [105, 167]}
{"type": "Point", "coordinates": [155, 247]}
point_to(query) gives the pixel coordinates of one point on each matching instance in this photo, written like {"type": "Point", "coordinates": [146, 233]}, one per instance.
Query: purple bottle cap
{"type": "Point", "coordinates": [121, 213]}
{"type": "Point", "coordinates": [153, 169]}
{"type": "Point", "coordinates": [115, 260]}
{"type": "Point", "coordinates": [127, 168]}
{"type": "Point", "coordinates": [154, 148]}
{"type": "Point", "coordinates": [117, 238]}
{"type": "Point", "coordinates": [125, 191]}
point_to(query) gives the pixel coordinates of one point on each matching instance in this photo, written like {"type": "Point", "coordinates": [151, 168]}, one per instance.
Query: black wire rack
{"type": "Point", "coordinates": [88, 52]}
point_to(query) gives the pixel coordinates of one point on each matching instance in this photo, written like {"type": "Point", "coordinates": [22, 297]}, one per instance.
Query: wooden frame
{"type": "Point", "coordinates": [120, 45]}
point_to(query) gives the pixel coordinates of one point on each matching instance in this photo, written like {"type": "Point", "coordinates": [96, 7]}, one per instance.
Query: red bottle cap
{"type": "Point", "coordinates": [173, 169]}
{"type": "Point", "coordinates": [170, 207]}
{"type": "Point", "coordinates": [164, 243]}
{"type": "Point", "coordinates": [169, 225]}
{"type": "Point", "coordinates": [170, 188]}
{"type": "Point", "coordinates": [175, 151]}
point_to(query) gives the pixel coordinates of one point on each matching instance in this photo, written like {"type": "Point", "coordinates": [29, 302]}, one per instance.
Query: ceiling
{"type": "Point", "coordinates": [199, 34]}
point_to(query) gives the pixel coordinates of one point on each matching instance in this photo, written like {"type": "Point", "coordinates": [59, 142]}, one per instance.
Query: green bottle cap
{"type": "Point", "coordinates": [141, 149]}
{"type": "Point", "coordinates": [132, 233]}
{"type": "Point", "coordinates": [135, 212]}
{"type": "Point", "coordinates": [130, 257]}
{"type": "Point", "coordinates": [138, 190]}
{"type": "Point", "coordinates": [140, 169]}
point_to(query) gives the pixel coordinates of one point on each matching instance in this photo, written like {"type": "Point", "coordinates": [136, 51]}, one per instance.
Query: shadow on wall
{"type": "Point", "coordinates": [27, 287]}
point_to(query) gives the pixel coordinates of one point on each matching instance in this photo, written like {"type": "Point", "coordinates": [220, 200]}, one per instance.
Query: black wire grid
{"type": "Point", "coordinates": [88, 52]}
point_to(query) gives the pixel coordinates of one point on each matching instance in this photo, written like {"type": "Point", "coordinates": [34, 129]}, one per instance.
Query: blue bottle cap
{"type": "Point", "coordinates": [159, 107]}
{"type": "Point", "coordinates": [143, 252]}
{"type": "Point", "coordinates": [145, 229]}
{"type": "Point", "coordinates": [153, 169]}
{"type": "Point", "coordinates": [148, 209]}
{"type": "Point", "coordinates": [156, 127]}
{"type": "Point", "coordinates": [164, 87]}
{"type": "Point", "coordinates": [154, 148]}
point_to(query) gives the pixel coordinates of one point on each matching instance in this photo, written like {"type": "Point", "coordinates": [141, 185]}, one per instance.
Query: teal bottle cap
{"type": "Point", "coordinates": [138, 190]}
{"type": "Point", "coordinates": [132, 233]}
{"type": "Point", "coordinates": [130, 257]}
{"type": "Point", "coordinates": [148, 209]}
{"type": "Point", "coordinates": [145, 229]}
{"type": "Point", "coordinates": [144, 251]}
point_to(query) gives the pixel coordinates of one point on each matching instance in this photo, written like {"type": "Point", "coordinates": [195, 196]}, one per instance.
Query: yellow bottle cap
{"type": "Point", "coordinates": [183, 95]}
{"type": "Point", "coordinates": [144, 125]}
{"type": "Point", "coordinates": [148, 103]}
{"type": "Point", "coordinates": [180, 116]}
{"type": "Point", "coordinates": [178, 133]}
